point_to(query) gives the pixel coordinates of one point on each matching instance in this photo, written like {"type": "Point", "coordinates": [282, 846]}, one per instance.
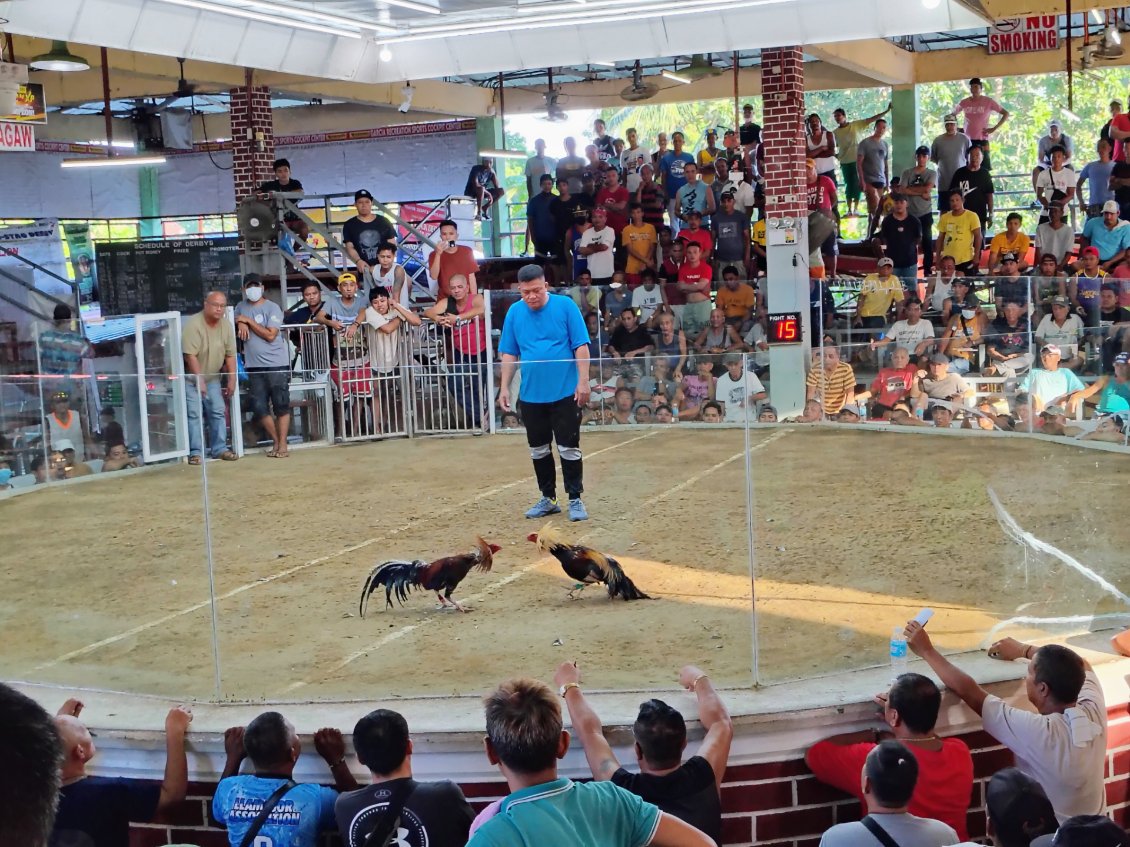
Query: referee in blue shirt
{"type": "Point", "coordinates": [548, 334]}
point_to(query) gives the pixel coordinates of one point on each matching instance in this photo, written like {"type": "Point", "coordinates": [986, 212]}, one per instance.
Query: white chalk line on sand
{"type": "Point", "coordinates": [518, 574]}
{"type": "Point", "coordinates": [204, 604]}
{"type": "Point", "coordinates": [1012, 529]}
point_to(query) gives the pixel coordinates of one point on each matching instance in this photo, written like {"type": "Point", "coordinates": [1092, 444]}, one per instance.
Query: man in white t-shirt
{"type": "Point", "coordinates": [647, 296]}
{"type": "Point", "coordinates": [1064, 329]}
{"type": "Point", "coordinates": [738, 395]}
{"type": "Point", "coordinates": [597, 244]}
{"type": "Point", "coordinates": [913, 333]}
{"type": "Point", "coordinates": [632, 158]}
{"type": "Point", "coordinates": [889, 776]}
{"type": "Point", "coordinates": [1063, 744]}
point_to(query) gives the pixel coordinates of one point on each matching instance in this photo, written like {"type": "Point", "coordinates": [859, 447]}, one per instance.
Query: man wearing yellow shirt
{"type": "Point", "coordinates": [877, 295]}
{"type": "Point", "coordinates": [707, 155]}
{"type": "Point", "coordinates": [639, 241]}
{"type": "Point", "coordinates": [959, 235]}
{"type": "Point", "coordinates": [1012, 240]}
{"type": "Point", "coordinates": [757, 246]}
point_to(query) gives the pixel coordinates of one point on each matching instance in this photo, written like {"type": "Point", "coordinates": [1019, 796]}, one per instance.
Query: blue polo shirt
{"type": "Point", "coordinates": [545, 341]}
{"type": "Point", "coordinates": [589, 814]}
{"type": "Point", "coordinates": [1110, 242]}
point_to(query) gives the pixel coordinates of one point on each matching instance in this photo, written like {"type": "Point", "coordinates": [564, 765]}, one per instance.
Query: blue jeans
{"type": "Point", "coordinates": [909, 277]}
{"type": "Point", "coordinates": [469, 374]}
{"type": "Point", "coordinates": [213, 403]}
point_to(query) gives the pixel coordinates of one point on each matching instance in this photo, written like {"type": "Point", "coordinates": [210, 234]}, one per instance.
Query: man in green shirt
{"type": "Point", "coordinates": [525, 738]}
{"type": "Point", "coordinates": [208, 345]}
{"type": "Point", "coordinates": [847, 134]}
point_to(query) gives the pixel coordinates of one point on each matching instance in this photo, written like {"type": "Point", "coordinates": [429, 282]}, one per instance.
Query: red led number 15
{"type": "Point", "coordinates": [786, 330]}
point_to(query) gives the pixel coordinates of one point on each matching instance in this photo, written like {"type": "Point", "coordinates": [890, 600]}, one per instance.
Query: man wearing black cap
{"type": "Point", "coordinates": [365, 232]}
{"type": "Point", "coordinates": [898, 238]}
{"type": "Point", "coordinates": [548, 334]}
{"type": "Point", "coordinates": [917, 184]}
{"type": "Point", "coordinates": [1020, 813]}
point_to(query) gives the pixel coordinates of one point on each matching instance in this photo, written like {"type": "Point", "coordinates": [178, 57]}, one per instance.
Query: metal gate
{"type": "Point", "coordinates": [367, 375]}
{"type": "Point", "coordinates": [451, 377]}
{"type": "Point", "coordinates": [431, 379]}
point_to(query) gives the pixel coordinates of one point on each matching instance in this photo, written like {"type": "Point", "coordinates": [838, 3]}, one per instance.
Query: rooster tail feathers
{"type": "Point", "coordinates": [398, 577]}
{"type": "Point", "coordinates": [486, 553]}
{"type": "Point", "coordinates": [620, 584]}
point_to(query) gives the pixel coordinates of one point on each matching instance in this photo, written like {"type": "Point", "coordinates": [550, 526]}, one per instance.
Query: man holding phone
{"type": "Point", "coordinates": [451, 258]}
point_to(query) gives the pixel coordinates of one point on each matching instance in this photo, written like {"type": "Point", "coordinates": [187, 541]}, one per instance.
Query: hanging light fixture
{"type": "Point", "coordinates": [60, 58]}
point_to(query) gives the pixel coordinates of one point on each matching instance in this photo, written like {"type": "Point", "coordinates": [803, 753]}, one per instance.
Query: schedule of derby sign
{"type": "Point", "coordinates": [169, 275]}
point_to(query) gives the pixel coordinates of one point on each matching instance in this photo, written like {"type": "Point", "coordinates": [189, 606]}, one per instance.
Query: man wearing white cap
{"type": "Point", "coordinates": [1109, 235]}
{"type": "Point", "coordinates": [1046, 145]}
{"type": "Point", "coordinates": [950, 151]}
{"type": "Point", "coordinates": [1049, 383]}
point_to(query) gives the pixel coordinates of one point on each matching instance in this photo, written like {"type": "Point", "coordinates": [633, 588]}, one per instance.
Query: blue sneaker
{"type": "Point", "coordinates": [577, 510]}
{"type": "Point", "coordinates": [543, 508]}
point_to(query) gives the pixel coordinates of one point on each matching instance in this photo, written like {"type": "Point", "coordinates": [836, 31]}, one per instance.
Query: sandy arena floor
{"type": "Point", "coordinates": [104, 584]}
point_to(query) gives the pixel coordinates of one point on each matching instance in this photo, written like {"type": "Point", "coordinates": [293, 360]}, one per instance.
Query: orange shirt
{"type": "Point", "coordinates": [736, 303]}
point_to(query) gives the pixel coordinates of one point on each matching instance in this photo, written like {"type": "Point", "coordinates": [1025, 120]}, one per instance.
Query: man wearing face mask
{"type": "Point", "coordinates": [258, 324]}
{"type": "Point", "coordinates": [964, 334]}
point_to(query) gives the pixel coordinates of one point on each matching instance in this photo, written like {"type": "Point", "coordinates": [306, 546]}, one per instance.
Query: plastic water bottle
{"type": "Point", "coordinates": [898, 652]}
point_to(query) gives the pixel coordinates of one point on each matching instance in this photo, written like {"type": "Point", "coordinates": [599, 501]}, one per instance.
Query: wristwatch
{"type": "Point", "coordinates": [564, 689]}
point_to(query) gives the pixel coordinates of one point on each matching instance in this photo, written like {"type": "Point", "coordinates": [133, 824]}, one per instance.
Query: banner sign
{"type": "Point", "coordinates": [17, 137]}
{"type": "Point", "coordinates": [31, 106]}
{"type": "Point", "coordinates": [1024, 35]}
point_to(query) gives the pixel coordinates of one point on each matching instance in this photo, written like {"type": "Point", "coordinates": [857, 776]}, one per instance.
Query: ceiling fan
{"type": "Point", "coordinates": [640, 89]}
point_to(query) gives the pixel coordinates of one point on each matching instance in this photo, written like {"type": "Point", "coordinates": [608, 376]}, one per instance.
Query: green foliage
{"type": "Point", "coordinates": [1032, 102]}
{"type": "Point", "coordinates": [512, 172]}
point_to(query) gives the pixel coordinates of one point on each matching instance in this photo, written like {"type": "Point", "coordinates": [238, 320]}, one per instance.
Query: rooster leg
{"type": "Point", "coordinates": [580, 586]}
{"type": "Point", "coordinates": [442, 603]}
{"type": "Point", "coordinates": [459, 605]}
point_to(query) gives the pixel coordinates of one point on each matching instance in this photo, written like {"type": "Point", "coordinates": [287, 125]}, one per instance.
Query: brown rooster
{"type": "Point", "coordinates": [401, 576]}
{"type": "Point", "coordinates": [586, 566]}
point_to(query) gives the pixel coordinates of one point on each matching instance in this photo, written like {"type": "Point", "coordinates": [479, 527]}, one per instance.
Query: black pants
{"type": "Point", "coordinates": [927, 222]}
{"type": "Point", "coordinates": [548, 422]}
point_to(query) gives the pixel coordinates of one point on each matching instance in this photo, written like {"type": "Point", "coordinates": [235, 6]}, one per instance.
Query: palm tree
{"type": "Point", "coordinates": [691, 118]}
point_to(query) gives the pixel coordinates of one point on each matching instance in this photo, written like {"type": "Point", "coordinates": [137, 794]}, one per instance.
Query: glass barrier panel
{"type": "Point", "coordinates": [106, 582]}
{"type": "Point", "coordinates": [398, 502]}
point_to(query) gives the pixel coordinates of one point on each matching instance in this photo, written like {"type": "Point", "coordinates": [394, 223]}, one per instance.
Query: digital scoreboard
{"type": "Point", "coordinates": [785, 328]}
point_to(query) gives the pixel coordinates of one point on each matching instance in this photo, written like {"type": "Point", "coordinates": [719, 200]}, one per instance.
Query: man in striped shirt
{"type": "Point", "coordinates": [830, 381]}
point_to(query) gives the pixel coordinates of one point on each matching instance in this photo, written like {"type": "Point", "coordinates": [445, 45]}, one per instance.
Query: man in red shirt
{"type": "Point", "coordinates": [891, 385]}
{"type": "Point", "coordinates": [822, 198]}
{"type": "Point", "coordinates": [945, 767]}
{"type": "Point", "coordinates": [694, 232]}
{"type": "Point", "coordinates": [614, 198]}
{"type": "Point", "coordinates": [451, 258]}
{"type": "Point", "coordinates": [1120, 134]}
{"type": "Point", "coordinates": [694, 282]}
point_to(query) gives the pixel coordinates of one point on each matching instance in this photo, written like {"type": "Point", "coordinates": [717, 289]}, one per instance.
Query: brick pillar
{"type": "Point", "coordinates": [782, 89]}
{"type": "Point", "coordinates": [253, 138]}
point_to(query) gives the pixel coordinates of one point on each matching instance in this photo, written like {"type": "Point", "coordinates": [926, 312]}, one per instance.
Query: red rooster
{"type": "Point", "coordinates": [400, 576]}
{"type": "Point", "coordinates": [586, 566]}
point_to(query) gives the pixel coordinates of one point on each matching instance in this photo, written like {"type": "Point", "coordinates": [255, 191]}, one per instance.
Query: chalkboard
{"type": "Point", "coordinates": [165, 276]}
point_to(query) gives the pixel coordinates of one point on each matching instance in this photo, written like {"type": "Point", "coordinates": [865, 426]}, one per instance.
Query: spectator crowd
{"type": "Point", "coordinates": [663, 248]}
{"type": "Point", "coordinates": [915, 786]}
